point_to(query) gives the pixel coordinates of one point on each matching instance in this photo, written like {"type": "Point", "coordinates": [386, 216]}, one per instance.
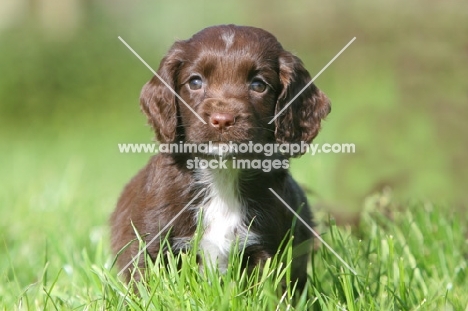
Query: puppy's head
{"type": "Point", "coordinates": [235, 79]}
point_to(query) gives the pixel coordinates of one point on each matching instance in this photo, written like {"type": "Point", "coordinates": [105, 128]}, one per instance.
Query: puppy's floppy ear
{"type": "Point", "coordinates": [300, 122]}
{"type": "Point", "coordinates": [158, 102]}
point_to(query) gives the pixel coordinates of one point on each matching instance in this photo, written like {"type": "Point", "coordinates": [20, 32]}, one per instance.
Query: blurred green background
{"type": "Point", "coordinates": [69, 93]}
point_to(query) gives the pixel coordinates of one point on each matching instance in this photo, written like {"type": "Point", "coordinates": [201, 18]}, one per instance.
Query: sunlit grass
{"type": "Point", "coordinates": [55, 251]}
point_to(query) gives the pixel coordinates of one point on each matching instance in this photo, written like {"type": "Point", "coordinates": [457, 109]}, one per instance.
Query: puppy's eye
{"type": "Point", "coordinates": [258, 86]}
{"type": "Point", "coordinates": [195, 83]}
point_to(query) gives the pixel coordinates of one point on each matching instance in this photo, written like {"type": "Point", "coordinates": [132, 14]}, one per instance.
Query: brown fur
{"type": "Point", "coordinates": [233, 112]}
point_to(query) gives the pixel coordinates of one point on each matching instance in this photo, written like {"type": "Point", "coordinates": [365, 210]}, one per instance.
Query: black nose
{"type": "Point", "coordinates": [222, 121]}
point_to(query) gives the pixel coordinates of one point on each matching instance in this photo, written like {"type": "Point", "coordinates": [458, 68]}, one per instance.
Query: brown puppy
{"type": "Point", "coordinates": [236, 79]}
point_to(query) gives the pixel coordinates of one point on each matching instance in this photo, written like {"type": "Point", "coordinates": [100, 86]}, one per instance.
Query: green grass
{"type": "Point", "coordinates": [54, 251]}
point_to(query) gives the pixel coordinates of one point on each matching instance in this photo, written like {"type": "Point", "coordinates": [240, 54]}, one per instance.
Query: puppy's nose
{"type": "Point", "coordinates": [222, 121]}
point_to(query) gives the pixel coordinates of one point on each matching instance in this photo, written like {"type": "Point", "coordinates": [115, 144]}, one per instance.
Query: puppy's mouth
{"type": "Point", "coordinates": [230, 150]}
{"type": "Point", "coordinates": [217, 149]}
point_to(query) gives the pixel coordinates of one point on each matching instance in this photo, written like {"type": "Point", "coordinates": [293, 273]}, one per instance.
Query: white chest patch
{"type": "Point", "coordinates": [223, 215]}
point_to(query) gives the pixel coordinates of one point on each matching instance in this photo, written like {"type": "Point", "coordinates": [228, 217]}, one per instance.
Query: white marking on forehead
{"type": "Point", "coordinates": [228, 38]}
